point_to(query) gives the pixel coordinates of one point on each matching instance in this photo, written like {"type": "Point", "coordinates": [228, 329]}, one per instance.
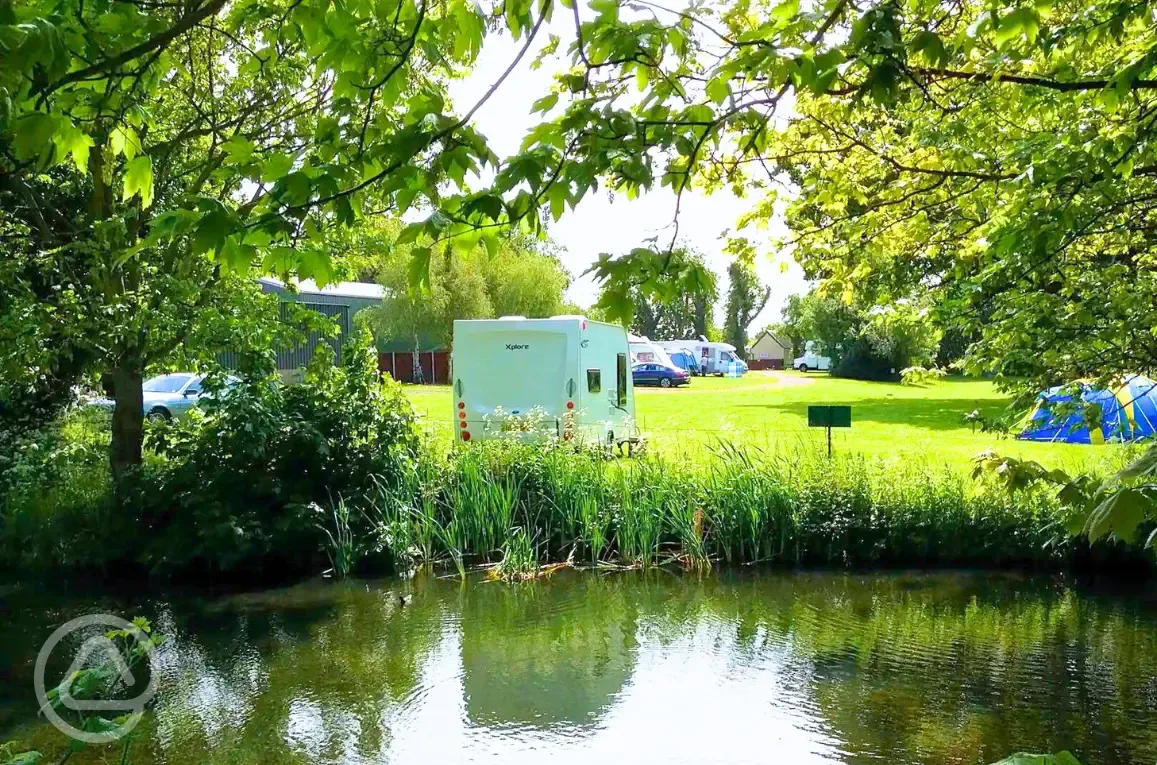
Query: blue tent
{"type": "Point", "coordinates": [1127, 413]}
{"type": "Point", "coordinates": [685, 360]}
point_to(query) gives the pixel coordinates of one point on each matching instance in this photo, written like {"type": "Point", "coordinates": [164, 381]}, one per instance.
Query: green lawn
{"type": "Point", "coordinates": [769, 410]}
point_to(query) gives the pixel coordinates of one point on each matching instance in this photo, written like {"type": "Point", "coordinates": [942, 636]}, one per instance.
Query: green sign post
{"type": "Point", "coordinates": [829, 417]}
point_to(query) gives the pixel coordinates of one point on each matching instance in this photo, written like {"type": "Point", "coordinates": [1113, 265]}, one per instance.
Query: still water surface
{"type": "Point", "coordinates": [638, 668]}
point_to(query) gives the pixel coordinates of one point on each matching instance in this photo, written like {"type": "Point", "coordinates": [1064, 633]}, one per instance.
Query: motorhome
{"type": "Point", "coordinates": [811, 360]}
{"type": "Point", "coordinates": [566, 377]}
{"type": "Point", "coordinates": [714, 358]}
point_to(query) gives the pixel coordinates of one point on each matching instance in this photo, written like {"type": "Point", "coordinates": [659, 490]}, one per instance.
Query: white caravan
{"type": "Point", "coordinates": [645, 351]}
{"type": "Point", "coordinates": [811, 360]}
{"type": "Point", "coordinates": [714, 358]}
{"type": "Point", "coordinates": [566, 376]}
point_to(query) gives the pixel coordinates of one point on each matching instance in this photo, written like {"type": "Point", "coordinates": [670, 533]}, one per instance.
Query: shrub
{"type": "Point", "coordinates": [921, 376]}
{"type": "Point", "coordinates": [243, 482]}
{"type": "Point", "coordinates": [56, 505]}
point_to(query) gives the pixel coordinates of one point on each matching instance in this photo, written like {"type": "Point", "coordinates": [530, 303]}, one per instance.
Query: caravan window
{"type": "Point", "coordinates": [594, 380]}
{"type": "Point", "coordinates": [622, 380]}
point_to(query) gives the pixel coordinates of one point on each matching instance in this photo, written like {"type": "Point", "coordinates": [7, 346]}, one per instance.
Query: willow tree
{"type": "Point", "coordinates": [163, 145]}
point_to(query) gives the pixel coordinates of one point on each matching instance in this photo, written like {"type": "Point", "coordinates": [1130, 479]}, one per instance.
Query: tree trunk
{"type": "Point", "coordinates": [128, 415]}
{"type": "Point", "coordinates": [418, 377]}
{"type": "Point", "coordinates": [700, 316]}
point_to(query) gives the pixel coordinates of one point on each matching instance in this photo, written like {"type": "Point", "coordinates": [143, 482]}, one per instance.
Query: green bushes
{"type": "Point", "coordinates": [55, 493]}
{"type": "Point", "coordinates": [241, 485]}
{"type": "Point", "coordinates": [245, 487]}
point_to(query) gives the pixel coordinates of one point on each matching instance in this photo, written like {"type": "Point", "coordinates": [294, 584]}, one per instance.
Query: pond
{"type": "Point", "coordinates": [629, 667]}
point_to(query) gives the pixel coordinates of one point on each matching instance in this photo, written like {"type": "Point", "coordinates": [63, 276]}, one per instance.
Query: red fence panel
{"type": "Point", "coordinates": [400, 365]}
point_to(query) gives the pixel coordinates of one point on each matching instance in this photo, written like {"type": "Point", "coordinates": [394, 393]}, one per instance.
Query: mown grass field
{"type": "Point", "coordinates": [768, 410]}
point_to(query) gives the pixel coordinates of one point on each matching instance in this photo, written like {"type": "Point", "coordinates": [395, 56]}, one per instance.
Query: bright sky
{"type": "Point", "coordinates": [599, 225]}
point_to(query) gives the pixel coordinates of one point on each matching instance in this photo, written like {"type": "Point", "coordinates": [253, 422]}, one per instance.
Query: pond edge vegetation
{"type": "Point", "coordinates": [337, 474]}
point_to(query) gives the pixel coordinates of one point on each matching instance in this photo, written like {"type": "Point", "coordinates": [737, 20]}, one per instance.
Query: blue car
{"type": "Point", "coordinates": [171, 395]}
{"type": "Point", "coordinates": [659, 374]}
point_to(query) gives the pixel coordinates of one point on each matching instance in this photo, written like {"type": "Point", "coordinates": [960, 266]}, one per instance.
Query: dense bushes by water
{"type": "Point", "coordinates": [282, 481]}
{"type": "Point", "coordinates": [233, 489]}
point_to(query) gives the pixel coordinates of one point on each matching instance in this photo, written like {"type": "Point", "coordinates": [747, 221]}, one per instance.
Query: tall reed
{"type": "Point", "coordinates": [538, 504]}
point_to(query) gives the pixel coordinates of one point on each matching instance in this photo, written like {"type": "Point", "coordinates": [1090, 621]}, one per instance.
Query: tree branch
{"type": "Point", "coordinates": [162, 40]}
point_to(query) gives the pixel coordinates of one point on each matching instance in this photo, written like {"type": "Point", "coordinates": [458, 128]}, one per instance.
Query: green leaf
{"type": "Point", "coordinates": [717, 89]}
{"type": "Point", "coordinates": [491, 242]}
{"type": "Point", "coordinates": [139, 180]}
{"type": "Point", "coordinates": [211, 232]}
{"type": "Point", "coordinates": [238, 151]}
{"type": "Point", "coordinates": [409, 234]}
{"type": "Point", "coordinates": [419, 270]}
{"type": "Point", "coordinates": [296, 188]}
{"type": "Point", "coordinates": [32, 134]}
{"type": "Point", "coordinates": [1022, 21]}
{"type": "Point", "coordinates": [930, 46]}
{"type": "Point", "coordinates": [1142, 467]}
{"type": "Point", "coordinates": [236, 257]}
{"type": "Point", "coordinates": [314, 263]}
{"type": "Point", "coordinates": [544, 104]}
{"type": "Point", "coordinates": [608, 10]}
{"type": "Point", "coordinates": [124, 140]}
{"type": "Point", "coordinates": [558, 195]}
{"type": "Point", "coordinates": [785, 11]}
{"type": "Point", "coordinates": [1120, 514]}
{"type": "Point", "coordinates": [71, 140]}
{"type": "Point", "coordinates": [274, 166]}
{"type": "Point", "coordinates": [489, 205]}
{"type": "Point", "coordinates": [173, 223]}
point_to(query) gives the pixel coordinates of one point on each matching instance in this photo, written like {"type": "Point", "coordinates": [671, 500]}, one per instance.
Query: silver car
{"type": "Point", "coordinates": [173, 394]}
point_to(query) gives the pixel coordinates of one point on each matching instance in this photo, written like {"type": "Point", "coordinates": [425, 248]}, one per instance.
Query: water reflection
{"type": "Point", "coordinates": [797, 668]}
{"type": "Point", "coordinates": [546, 656]}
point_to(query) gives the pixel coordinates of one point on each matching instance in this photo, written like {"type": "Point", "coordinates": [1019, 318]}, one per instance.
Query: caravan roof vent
{"type": "Point", "coordinates": [512, 318]}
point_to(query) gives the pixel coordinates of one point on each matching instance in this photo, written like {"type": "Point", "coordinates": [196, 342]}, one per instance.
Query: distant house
{"type": "Point", "coordinates": [769, 351]}
{"type": "Point", "coordinates": [341, 302]}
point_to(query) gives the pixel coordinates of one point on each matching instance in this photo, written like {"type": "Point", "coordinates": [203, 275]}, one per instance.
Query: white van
{"type": "Point", "coordinates": [566, 376]}
{"type": "Point", "coordinates": [810, 360]}
{"type": "Point", "coordinates": [714, 358]}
